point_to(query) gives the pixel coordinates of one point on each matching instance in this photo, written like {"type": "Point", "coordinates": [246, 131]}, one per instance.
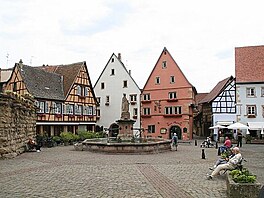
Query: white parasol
{"type": "Point", "coordinates": [218, 126]}
{"type": "Point", "coordinates": [237, 125]}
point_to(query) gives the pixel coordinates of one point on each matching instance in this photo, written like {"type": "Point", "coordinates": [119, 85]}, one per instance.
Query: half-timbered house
{"type": "Point", "coordinates": [63, 94]}
{"type": "Point", "coordinates": [218, 107]}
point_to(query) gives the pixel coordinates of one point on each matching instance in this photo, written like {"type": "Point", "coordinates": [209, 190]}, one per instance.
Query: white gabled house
{"type": "Point", "coordinates": [114, 81]}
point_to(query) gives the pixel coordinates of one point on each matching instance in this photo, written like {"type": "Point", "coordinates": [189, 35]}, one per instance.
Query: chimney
{"type": "Point", "coordinates": [21, 63]}
{"type": "Point", "coordinates": [119, 56]}
{"type": "Point", "coordinates": [129, 71]}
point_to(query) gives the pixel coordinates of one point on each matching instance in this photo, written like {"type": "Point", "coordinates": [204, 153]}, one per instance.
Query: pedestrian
{"type": "Point", "coordinates": [239, 139]}
{"type": "Point", "coordinates": [174, 142]}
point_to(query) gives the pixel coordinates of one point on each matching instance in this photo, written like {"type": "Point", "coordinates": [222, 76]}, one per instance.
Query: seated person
{"type": "Point", "coordinates": [230, 165]}
{"type": "Point", "coordinates": [223, 160]}
{"type": "Point", "coordinates": [32, 144]}
{"type": "Point", "coordinates": [227, 145]}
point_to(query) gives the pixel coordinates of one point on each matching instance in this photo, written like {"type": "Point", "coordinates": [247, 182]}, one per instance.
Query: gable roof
{"type": "Point", "coordinates": [249, 64]}
{"type": "Point", "coordinates": [199, 97]}
{"type": "Point", "coordinates": [165, 50]}
{"type": "Point", "coordinates": [69, 73]}
{"type": "Point", "coordinates": [119, 60]}
{"type": "Point", "coordinates": [217, 90]}
{"type": "Point", "coordinates": [41, 84]}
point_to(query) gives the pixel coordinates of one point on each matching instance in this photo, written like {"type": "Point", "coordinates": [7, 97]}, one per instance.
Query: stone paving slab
{"type": "Point", "coordinates": [63, 172]}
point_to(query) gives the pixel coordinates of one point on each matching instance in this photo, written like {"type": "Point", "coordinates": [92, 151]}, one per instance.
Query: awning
{"type": "Point", "coordinates": [225, 123]}
{"type": "Point", "coordinates": [256, 125]}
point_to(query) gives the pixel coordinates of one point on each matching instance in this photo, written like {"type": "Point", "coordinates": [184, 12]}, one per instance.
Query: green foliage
{"type": "Point", "coordinates": [56, 138]}
{"type": "Point", "coordinates": [89, 135]}
{"type": "Point", "coordinates": [243, 176]}
{"type": "Point", "coordinates": [66, 136]}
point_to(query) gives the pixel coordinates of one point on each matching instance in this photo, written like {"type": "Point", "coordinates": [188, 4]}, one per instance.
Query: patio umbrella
{"type": "Point", "coordinates": [237, 125]}
{"type": "Point", "coordinates": [262, 131]}
{"type": "Point", "coordinates": [218, 126]}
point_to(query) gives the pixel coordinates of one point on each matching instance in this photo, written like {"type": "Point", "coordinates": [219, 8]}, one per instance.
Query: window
{"type": "Point", "coordinates": [133, 98]}
{"type": "Point", "coordinates": [112, 72]}
{"type": "Point", "coordinates": [173, 110]}
{"type": "Point", "coordinates": [69, 109]}
{"type": "Point", "coordinates": [102, 85]}
{"type": "Point", "coordinates": [99, 100]}
{"type": "Point", "coordinates": [41, 106]}
{"type": "Point", "coordinates": [46, 107]}
{"type": "Point", "coordinates": [135, 112]}
{"type": "Point", "coordinates": [172, 79]}
{"type": "Point", "coordinates": [112, 60]}
{"type": "Point", "coordinates": [57, 108]}
{"type": "Point", "coordinates": [78, 110]}
{"type": "Point", "coordinates": [157, 80]}
{"type": "Point", "coordinates": [151, 128]}
{"type": "Point", "coordinates": [86, 91]}
{"type": "Point", "coordinates": [164, 64]}
{"type": "Point", "coordinates": [125, 83]}
{"type": "Point", "coordinates": [251, 92]}
{"type": "Point", "coordinates": [79, 90]}
{"type": "Point", "coordinates": [262, 91]}
{"type": "Point", "coordinates": [90, 110]}
{"type": "Point", "coordinates": [263, 111]}
{"type": "Point", "coordinates": [172, 95]}
{"type": "Point", "coordinates": [98, 112]}
{"type": "Point", "coordinates": [146, 111]}
{"type": "Point", "coordinates": [107, 100]}
{"type": "Point", "coordinates": [146, 97]}
{"type": "Point", "coordinates": [251, 110]}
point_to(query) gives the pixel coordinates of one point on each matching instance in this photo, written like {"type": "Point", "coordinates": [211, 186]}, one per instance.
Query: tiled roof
{"type": "Point", "coordinates": [42, 84]}
{"type": "Point", "coordinates": [69, 73]}
{"type": "Point", "coordinates": [216, 90]}
{"type": "Point", "coordinates": [249, 64]}
{"type": "Point", "coordinates": [199, 97]}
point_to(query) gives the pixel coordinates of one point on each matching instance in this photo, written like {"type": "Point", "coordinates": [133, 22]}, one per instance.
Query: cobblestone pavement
{"type": "Point", "coordinates": [62, 172]}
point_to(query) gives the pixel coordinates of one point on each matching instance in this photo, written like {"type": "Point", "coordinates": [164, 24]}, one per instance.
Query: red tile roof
{"type": "Point", "coordinates": [249, 63]}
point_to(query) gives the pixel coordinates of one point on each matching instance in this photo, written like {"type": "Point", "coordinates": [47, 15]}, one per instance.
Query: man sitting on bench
{"type": "Point", "coordinates": [33, 145]}
{"type": "Point", "coordinates": [231, 164]}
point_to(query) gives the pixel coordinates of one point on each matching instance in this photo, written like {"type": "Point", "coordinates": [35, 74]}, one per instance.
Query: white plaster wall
{"type": "Point", "coordinates": [114, 88]}
{"type": "Point", "coordinates": [243, 101]}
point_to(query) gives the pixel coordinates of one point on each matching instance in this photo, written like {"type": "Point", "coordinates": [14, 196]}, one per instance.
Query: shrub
{"type": "Point", "coordinates": [66, 137]}
{"type": "Point", "coordinates": [56, 139]}
{"type": "Point", "coordinates": [89, 135]}
{"type": "Point", "coordinates": [243, 176]}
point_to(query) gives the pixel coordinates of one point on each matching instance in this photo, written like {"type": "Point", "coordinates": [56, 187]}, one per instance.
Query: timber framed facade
{"type": "Point", "coordinates": [63, 94]}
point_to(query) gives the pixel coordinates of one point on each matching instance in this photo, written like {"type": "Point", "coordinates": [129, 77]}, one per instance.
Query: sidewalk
{"type": "Point", "coordinates": [63, 172]}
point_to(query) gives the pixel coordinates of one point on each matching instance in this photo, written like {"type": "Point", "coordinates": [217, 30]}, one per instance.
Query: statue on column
{"type": "Point", "coordinates": [125, 108]}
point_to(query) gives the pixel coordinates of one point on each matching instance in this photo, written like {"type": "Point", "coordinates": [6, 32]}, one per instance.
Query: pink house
{"type": "Point", "coordinates": [167, 101]}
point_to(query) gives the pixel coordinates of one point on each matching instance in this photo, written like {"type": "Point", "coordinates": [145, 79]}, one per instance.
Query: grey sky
{"type": "Point", "coordinates": [200, 35]}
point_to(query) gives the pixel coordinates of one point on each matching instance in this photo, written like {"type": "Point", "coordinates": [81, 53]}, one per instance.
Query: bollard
{"type": "Point", "coordinates": [195, 143]}
{"type": "Point", "coordinates": [218, 153]}
{"type": "Point", "coordinates": [216, 145]}
{"type": "Point", "coordinates": [203, 154]}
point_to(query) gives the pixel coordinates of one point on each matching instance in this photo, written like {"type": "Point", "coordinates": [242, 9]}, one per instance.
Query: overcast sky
{"type": "Point", "coordinates": [200, 35]}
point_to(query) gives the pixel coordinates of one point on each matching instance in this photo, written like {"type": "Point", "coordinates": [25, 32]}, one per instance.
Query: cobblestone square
{"type": "Point", "coordinates": [62, 172]}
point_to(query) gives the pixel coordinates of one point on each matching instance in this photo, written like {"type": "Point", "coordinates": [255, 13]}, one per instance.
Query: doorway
{"type": "Point", "coordinates": [176, 129]}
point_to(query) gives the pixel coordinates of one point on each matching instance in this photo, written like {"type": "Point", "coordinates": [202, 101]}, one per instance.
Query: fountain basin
{"type": "Point", "coordinates": [148, 146]}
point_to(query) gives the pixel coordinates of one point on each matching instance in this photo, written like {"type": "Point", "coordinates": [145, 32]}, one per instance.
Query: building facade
{"type": "Point", "coordinates": [167, 101]}
{"type": "Point", "coordinates": [249, 67]}
{"type": "Point", "coordinates": [115, 81]}
{"type": "Point", "coordinates": [218, 107]}
{"type": "Point", "coordinates": [63, 95]}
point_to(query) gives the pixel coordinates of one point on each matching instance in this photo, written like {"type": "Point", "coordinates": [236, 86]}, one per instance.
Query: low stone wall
{"type": "Point", "coordinates": [126, 148]}
{"type": "Point", "coordinates": [238, 190]}
{"type": "Point", "coordinates": [17, 124]}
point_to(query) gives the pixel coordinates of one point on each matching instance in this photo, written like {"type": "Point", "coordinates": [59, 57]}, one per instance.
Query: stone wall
{"type": "Point", "coordinates": [17, 123]}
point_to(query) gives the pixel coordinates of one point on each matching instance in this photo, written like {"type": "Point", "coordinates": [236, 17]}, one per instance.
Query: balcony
{"type": "Point", "coordinates": [251, 116]}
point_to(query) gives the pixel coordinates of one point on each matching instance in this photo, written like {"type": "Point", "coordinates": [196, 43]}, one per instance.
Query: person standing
{"type": "Point", "coordinates": [239, 139]}
{"type": "Point", "coordinates": [174, 142]}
